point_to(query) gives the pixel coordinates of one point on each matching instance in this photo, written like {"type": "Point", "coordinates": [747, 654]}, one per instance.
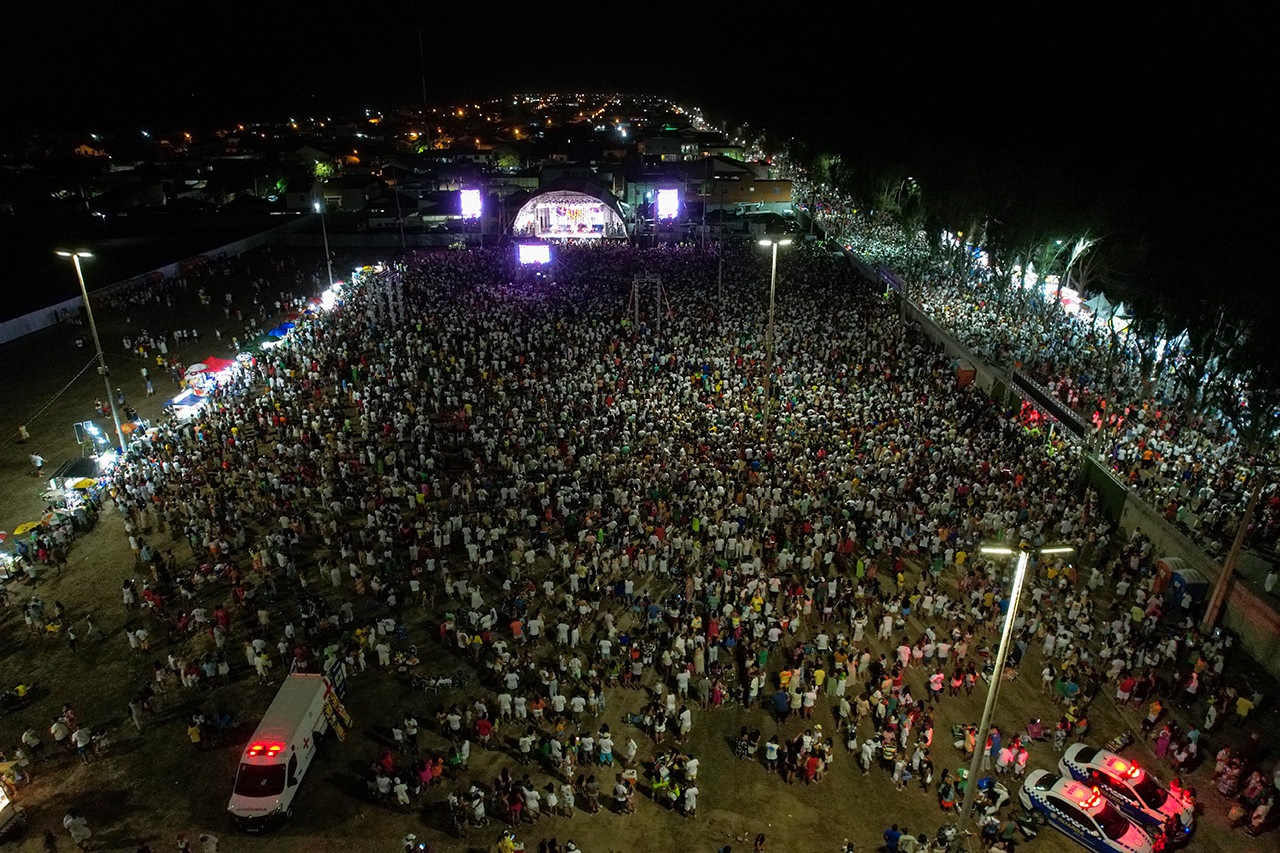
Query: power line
{"type": "Point", "coordinates": [62, 391]}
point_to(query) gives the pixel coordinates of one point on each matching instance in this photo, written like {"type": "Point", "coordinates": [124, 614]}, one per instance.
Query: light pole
{"type": "Point", "coordinates": [774, 242]}
{"type": "Point", "coordinates": [993, 686]}
{"type": "Point", "coordinates": [328, 261]}
{"type": "Point", "coordinates": [97, 344]}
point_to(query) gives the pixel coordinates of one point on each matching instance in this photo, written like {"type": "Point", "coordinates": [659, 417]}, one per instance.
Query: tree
{"type": "Point", "coordinates": [323, 171]}
{"type": "Point", "coordinates": [1206, 352]}
{"type": "Point", "coordinates": [507, 156]}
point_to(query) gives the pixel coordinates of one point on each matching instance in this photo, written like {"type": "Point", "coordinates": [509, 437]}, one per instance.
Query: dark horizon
{"type": "Point", "coordinates": [1148, 121]}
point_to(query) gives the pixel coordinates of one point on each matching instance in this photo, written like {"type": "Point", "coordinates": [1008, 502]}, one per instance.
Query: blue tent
{"type": "Point", "coordinates": [191, 398]}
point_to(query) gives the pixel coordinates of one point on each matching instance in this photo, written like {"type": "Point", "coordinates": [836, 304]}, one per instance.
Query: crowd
{"type": "Point", "coordinates": [1184, 459]}
{"type": "Point", "coordinates": [580, 506]}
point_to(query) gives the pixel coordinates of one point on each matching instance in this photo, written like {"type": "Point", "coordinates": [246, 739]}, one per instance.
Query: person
{"type": "Point", "coordinates": [622, 795]}
{"type": "Point", "coordinates": [194, 734]}
{"type": "Point", "coordinates": [1035, 730]}
{"type": "Point", "coordinates": [208, 843]}
{"type": "Point", "coordinates": [401, 791]}
{"type": "Point", "coordinates": [31, 740]}
{"type": "Point", "coordinates": [892, 836]}
{"type": "Point", "coordinates": [1154, 710]}
{"type": "Point", "coordinates": [1259, 816]}
{"type": "Point", "coordinates": [61, 734]}
{"type": "Point", "coordinates": [1244, 705]}
{"type": "Point", "coordinates": [77, 827]}
{"type": "Point", "coordinates": [37, 464]}
{"type": "Point", "coordinates": [82, 739]}
{"type": "Point", "coordinates": [691, 800]}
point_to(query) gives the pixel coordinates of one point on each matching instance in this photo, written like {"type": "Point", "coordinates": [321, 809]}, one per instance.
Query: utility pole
{"type": "Point", "coordinates": [769, 342]}
{"type": "Point", "coordinates": [1219, 596]}
{"type": "Point", "coordinates": [719, 272]}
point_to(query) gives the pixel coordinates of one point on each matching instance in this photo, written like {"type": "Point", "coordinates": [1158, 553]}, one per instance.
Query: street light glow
{"type": "Point", "coordinates": [1002, 651]}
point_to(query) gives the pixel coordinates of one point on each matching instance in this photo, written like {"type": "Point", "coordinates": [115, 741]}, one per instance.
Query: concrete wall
{"type": "Point", "coordinates": [1250, 616]}
{"type": "Point", "coordinates": [43, 318]}
{"type": "Point", "coordinates": [990, 380]}
{"type": "Point", "coordinates": [36, 320]}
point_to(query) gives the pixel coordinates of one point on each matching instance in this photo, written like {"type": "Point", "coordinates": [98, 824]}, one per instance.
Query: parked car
{"type": "Point", "coordinates": [1083, 814]}
{"type": "Point", "coordinates": [1133, 790]}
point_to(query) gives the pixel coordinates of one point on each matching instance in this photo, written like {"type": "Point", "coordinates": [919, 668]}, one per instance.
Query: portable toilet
{"type": "Point", "coordinates": [1165, 568]}
{"type": "Point", "coordinates": [1193, 582]}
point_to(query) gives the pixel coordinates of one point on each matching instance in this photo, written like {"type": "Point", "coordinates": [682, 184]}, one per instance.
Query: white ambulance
{"type": "Point", "coordinates": [279, 753]}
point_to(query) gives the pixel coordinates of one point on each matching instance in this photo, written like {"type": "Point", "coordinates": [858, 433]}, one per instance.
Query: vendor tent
{"type": "Point", "coordinates": [191, 398]}
{"type": "Point", "coordinates": [78, 468]}
{"type": "Point", "coordinates": [217, 365]}
{"type": "Point", "coordinates": [1100, 305]}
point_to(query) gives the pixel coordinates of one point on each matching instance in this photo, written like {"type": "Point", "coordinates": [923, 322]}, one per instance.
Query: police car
{"type": "Point", "coordinates": [1134, 791]}
{"type": "Point", "coordinates": [1082, 813]}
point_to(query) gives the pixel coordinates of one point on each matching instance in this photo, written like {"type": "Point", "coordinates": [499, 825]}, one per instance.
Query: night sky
{"type": "Point", "coordinates": [1163, 112]}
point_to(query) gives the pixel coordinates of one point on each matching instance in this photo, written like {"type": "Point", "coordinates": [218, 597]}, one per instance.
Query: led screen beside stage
{"type": "Point", "coordinates": [471, 204]}
{"type": "Point", "coordinates": [668, 204]}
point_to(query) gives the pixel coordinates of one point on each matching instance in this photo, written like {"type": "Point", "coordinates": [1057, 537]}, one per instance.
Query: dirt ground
{"type": "Point", "coordinates": [154, 785]}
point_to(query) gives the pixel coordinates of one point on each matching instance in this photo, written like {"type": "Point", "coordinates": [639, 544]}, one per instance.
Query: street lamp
{"type": "Point", "coordinates": [993, 686]}
{"type": "Point", "coordinates": [328, 261]}
{"type": "Point", "coordinates": [93, 330]}
{"type": "Point", "coordinates": [774, 242]}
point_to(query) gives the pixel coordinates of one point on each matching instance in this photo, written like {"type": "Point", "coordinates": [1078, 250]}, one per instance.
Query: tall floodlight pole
{"type": "Point", "coordinates": [328, 260]}
{"type": "Point", "coordinates": [993, 685]}
{"type": "Point", "coordinates": [773, 242]}
{"type": "Point", "coordinates": [97, 344]}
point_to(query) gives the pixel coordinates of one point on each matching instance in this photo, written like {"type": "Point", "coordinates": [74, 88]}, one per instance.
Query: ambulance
{"type": "Point", "coordinates": [277, 757]}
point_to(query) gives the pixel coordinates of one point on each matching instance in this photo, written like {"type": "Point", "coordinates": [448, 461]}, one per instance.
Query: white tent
{"type": "Point", "coordinates": [1099, 305]}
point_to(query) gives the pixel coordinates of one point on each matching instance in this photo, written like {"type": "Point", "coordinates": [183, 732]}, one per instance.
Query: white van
{"type": "Point", "coordinates": [279, 753]}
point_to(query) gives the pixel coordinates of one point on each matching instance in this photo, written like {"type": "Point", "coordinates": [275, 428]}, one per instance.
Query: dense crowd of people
{"type": "Point", "coordinates": [579, 505]}
{"type": "Point", "coordinates": [1186, 460]}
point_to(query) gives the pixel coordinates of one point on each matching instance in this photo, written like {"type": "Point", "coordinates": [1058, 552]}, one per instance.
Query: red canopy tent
{"type": "Point", "coordinates": [213, 364]}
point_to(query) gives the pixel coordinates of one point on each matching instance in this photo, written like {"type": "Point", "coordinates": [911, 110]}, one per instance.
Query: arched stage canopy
{"type": "Point", "coordinates": [571, 209]}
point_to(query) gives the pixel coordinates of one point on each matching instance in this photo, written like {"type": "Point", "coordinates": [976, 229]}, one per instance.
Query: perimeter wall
{"type": "Point", "coordinates": [53, 314]}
